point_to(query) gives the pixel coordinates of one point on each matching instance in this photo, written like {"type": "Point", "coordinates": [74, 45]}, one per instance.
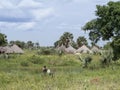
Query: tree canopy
{"type": "Point", "coordinates": [106, 25]}
{"type": "Point", "coordinates": [81, 41]}
{"type": "Point", "coordinates": [65, 39]}
{"type": "Point", "coordinates": [3, 40]}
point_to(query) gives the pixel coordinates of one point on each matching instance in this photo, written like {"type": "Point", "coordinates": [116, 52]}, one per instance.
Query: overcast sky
{"type": "Point", "coordinates": [44, 21]}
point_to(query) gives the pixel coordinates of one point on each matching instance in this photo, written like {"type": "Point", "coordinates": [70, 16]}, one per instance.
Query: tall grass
{"type": "Point", "coordinates": [21, 73]}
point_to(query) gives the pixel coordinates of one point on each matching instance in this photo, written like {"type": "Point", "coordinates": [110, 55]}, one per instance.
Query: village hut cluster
{"type": "Point", "coordinates": [11, 49]}
{"type": "Point", "coordinates": [82, 49]}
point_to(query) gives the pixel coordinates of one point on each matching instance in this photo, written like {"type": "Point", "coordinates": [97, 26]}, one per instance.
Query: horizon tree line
{"type": "Point", "coordinates": [67, 39]}
{"type": "Point", "coordinates": [21, 44]}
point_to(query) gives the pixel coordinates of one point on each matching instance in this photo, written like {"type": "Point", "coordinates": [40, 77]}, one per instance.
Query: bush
{"type": "Point", "coordinates": [36, 60]}
{"type": "Point", "coordinates": [106, 57]}
{"type": "Point", "coordinates": [25, 63]}
{"type": "Point", "coordinates": [46, 51]}
{"type": "Point", "coordinates": [86, 61]}
{"type": "Point", "coordinates": [116, 48]}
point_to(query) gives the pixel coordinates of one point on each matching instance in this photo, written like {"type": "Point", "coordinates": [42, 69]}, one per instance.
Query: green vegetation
{"type": "Point", "coordinates": [3, 40]}
{"type": "Point", "coordinates": [23, 72]}
{"type": "Point", "coordinates": [82, 41]}
{"type": "Point", "coordinates": [65, 39]}
{"type": "Point", "coordinates": [70, 72]}
{"type": "Point", "coordinates": [106, 26]}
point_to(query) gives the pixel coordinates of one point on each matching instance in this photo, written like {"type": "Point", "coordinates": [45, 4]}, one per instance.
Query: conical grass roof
{"type": "Point", "coordinates": [83, 49]}
{"type": "Point", "coordinates": [16, 49]}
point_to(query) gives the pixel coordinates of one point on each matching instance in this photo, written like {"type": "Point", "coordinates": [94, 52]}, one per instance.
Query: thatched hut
{"type": "Point", "coordinates": [8, 50]}
{"type": "Point", "coordinates": [2, 49]}
{"type": "Point", "coordinates": [70, 50]}
{"type": "Point", "coordinates": [83, 49]}
{"type": "Point", "coordinates": [61, 48]}
{"type": "Point", "coordinates": [95, 49]}
{"type": "Point", "coordinates": [17, 49]}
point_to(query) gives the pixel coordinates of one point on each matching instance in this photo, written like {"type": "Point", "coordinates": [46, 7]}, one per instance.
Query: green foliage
{"type": "Point", "coordinates": [36, 60]}
{"type": "Point", "coordinates": [107, 46]}
{"type": "Point", "coordinates": [25, 45]}
{"type": "Point", "coordinates": [106, 25]}
{"type": "Point", "coordinates": [85, 60]}
{"type": "Point", "coordinates": [60, 53]}
{"type": "Point", "coordinates": [3, 40]}
{"type": "Point", "coordinates": [25, 63]}
{"type": "Point", "coordinates": [116, 48]}
{"type": "Point", "coordinates": [74, 45]}
{"type": "Point", "coordinates": [14, 76]}
{"type": "Point", "coordinates": [30, 44]}
{"type": "Point", "coordinates": [2, 56]}
{"type": "Point", "coordinates": [46, 51]}
{"type": "Point", "coordinates": [81, 41]}
{"type": "Point", "coordinates": [106, 57]}
{"type": "Point", "coordinates": [65, 39]}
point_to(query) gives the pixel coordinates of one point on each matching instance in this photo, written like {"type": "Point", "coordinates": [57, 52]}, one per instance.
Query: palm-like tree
{"type": "Point", "coordinates": [37, 44]}
{"type": "Point", "coordinates": [30, 44]}
{"type": "Point", "coordinates": [81, 41]}
{"type": "Point", "coordinates": [66, 39]}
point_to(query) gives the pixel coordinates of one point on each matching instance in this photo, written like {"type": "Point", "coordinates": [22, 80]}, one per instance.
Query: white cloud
{"type": "Point", "coordinates": [17, 16]}
{"type": "Point", "coordinates": [5, 25]}
{"type": "Point", "coordinates": [68, 26]}
{"type": "Point", "coordinates": [12, 4]}
{"type": "Point", "coordinates": [29, 4]}
{"type": "Point", "coordinates": [5, 4]}
{"type": "Point", "coordinates": [25, 26]}
{"type": "Point", "coordinates": [22, 15]}
{"type": "Point", "coordinates": [23, 11]}
{"type": "Point", "coordinates": [42, 13]}
{"type": "Point", "coordinates": [17, 26]}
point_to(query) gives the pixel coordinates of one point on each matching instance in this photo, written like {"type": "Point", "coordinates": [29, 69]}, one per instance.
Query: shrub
{"type": "Point", "coordinates": [86, 60]}
{"type": "Point", "coordinates": [25, 63]}
{"type": "Point", "coordinates": [46, 51]}
{"type": "Point", "coordinates": [36, 60]}
{"type": "Point", "coordinates": [106, 57]}
{"type": "Point", "coordinates": [60, 52]}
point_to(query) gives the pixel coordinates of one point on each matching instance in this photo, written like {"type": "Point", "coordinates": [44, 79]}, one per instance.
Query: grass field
{"type": "Point", "coordinates": [24, 73]}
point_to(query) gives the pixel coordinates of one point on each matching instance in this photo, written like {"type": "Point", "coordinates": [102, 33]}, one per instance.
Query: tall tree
{"type": "Point", "coordinates": [81, 41]}
{"type": "Point", "coordinates": [107, 24]}
{"type": "Point", "coordinates": [57, 43]}
{"type": "Point", "coordinates": [3, 40]}
{"type": "Point", "coordinates": [19, 43]}
{"type": "Point", "coordinates": [12, 42]}
{"type": "Point", "coordinates": [37, 44]}
{"type": "Point", "coordinates": [65, 39]}
{"type": "Point", "coordinates": [74, 44]}
{"type": "Point", "coordinates": [30, 44]}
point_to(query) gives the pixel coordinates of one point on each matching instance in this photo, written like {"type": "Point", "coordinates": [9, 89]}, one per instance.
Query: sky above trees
{"type": "Point", "coordinates": [44, 21]}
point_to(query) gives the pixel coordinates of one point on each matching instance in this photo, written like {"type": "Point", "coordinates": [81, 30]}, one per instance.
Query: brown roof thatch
{"type": "Point", "coordinates": [70, 50]}
{"type": "Point", "coordinates": [16, 49]}
{"type": "Point", "coordinates": [8, 50]}
{"type": "Point", "coordinates": [95, 49]}
{"type": "Point", "coordinates": [83, 49]}
{"type": "Point", "coordinates": [61, 48]}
